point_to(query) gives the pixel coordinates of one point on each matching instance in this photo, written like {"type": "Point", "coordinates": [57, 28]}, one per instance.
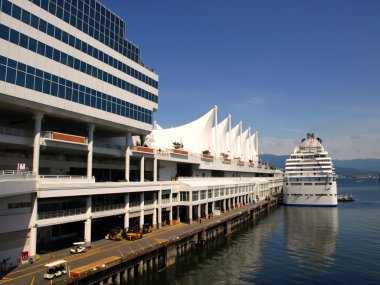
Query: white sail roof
{"type": "Point", "coordinates": [205, 133]}
{"type": "Point", "coordinates": [195, 136]}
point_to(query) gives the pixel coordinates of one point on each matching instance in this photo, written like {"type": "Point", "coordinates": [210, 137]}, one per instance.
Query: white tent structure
{"type": "Point", "coordinates": [205, 133]}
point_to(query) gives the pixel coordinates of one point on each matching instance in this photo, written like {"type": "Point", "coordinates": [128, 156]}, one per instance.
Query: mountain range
{"type": "Point", "coordinates": [351, 167]}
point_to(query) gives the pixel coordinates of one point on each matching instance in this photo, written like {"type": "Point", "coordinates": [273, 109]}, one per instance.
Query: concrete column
{"type": "Point", "coordinates": [154, 225]}
{"type": "Point", "coordinates": [224, 204]}
{"type": "Point", "coordinates": [142, 211]}
{"type": "Point", "coordinates": [33, 230]}
{"type": "Point", "coordinates": [178, 216]}
{"type": "Point", "coordinates": [171, 209]}
{"type": "Point", "coordinates": [190, 214]}
{"type": "Point", "coordinates": [212, 207]}
{"type": "Point", "coordinates": [206, 210]}
{"type": "Point", "coordinates": [171, 216]}
{"type": "Point", "coordinates": [126, 217]}
{"type": "Point", "coordinates": [155, 173]}
{"type": "Point", "coordinates": [117, 279]}
{"type": "Point", "coordinates": [141, 268]}
{"type": "Point", "coordinates": [129, 144]}
{"type": "Point", "coordinates": [88, 222]}
{"type": "Point", "coordinates": [142, 169]}
{"type": "Point", "coordinates": [199, 211]}
{"type": "Point", "coordinates": [36, 144]}
{"type": "Point", "coordinates": [159, 209]}
{"type": "Point", "coordinates": [91, 129]}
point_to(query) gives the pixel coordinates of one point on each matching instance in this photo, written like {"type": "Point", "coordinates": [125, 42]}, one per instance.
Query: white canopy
{"type": "Point", "coordinates": [206, 134]}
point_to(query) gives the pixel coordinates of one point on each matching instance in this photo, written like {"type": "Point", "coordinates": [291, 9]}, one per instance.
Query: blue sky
{"type": "Point", "coordinates": [283, 67]}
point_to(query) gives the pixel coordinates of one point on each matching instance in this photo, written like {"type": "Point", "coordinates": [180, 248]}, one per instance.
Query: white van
{"type": "Point", "coordinates": [55, 269]}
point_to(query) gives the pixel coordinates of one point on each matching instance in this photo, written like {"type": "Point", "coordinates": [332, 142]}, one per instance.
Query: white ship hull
{"type": "Point", "coordinates": [311, 195]}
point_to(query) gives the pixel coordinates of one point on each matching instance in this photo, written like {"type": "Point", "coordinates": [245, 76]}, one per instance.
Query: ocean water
{"type": "Point", "coordinates": [293, 245]}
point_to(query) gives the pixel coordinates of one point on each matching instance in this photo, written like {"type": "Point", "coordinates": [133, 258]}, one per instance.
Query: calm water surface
{"type": "Point", "coordinates": [294, 245]}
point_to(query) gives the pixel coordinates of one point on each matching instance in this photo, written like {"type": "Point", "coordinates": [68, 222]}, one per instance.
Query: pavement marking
{"type": "Point", "coordinates": [5, 279]}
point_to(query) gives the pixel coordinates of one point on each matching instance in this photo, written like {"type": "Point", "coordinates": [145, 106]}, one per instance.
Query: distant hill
{"type": "Point", "coordinates": [353, 167]}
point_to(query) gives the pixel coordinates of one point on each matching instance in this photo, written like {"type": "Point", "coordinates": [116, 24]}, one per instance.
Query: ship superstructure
{"type": "Point", "coordinates": [310, 175]}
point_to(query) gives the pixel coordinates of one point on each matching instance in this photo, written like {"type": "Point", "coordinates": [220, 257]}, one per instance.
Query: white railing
{"type": "Point", "coordinates": [103, 208]}
{"type": "Point", "coordinates": [108, 146]}
{"type": "Point", "coordinates": [61, 213]}
{"type": "Point", "coordinates": [69, 177]}
{"type": "Point", "coordinates": [134, 204]}
{"type": "Point", "coordinates": [16, 172]}
{"type": "Point", "coordinates": [148, 202]}
{"type": "Point", "coordinates": [165, 201]}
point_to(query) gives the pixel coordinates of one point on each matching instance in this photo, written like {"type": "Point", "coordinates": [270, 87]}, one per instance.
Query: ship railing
{"type": "Point", "coordinates": [61, 213]}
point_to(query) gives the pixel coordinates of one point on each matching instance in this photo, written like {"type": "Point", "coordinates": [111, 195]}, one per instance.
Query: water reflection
{"type": "Point", "coordinates": [311, 236]}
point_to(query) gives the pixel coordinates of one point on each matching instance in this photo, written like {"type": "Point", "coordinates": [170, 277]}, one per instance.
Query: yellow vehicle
{"type": "Point", "coordinates": [133, 233]}
{"type": "Point", "coordinates": [115, 234]}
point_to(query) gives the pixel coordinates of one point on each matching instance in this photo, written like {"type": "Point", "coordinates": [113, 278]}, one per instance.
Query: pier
{"type": "Point", "coordinates": [116, 262]}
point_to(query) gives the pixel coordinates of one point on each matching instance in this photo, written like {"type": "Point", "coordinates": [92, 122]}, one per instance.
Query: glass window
{"type": "Point", "coordinates": [4, 32]}
{"type": "Point", "coordinates": [24, 41]}
{"type": "Point", "coordinates": [68, 93]}
{"type": "Point", "coordinates": [65, 37]}
{"type": "Point", "coordinates": [54, 89]}
{"type": "Point", "coordinates": [43, 25]}
{"type": "Point", "coordinates": [59, 12]}
{"type": "Point", "coordinates": [52, 7]}
{"type": "Point", "coordinates": [75, 97]}
{"type": "Point", "coordinates": [49, 52]}
{"type": "Point", "coordinates": [2, 72]}
{"type": "Point", "coordinates": [16, 12]}
{"type": "Point", "coordinates": [7, 7]}
{"type": "Point", "coordinates": [32, 44]}
{"type": "Point", "coordinates": [61, 91]}
{"type": "Point", "coordinates": [58, 34]}
{"type": "Point", "coordinates": [50, 30]}
{"type": "Point", "coordinates": [38, 84]}
{"type": "Point", "coordinates": [20, 78]}
{"type": "Point", "coordinates": [21, 66]}
{"type": "Point", "coordinates": [11, 75]}
{"type": "Point", "coordinates": [34, 21]}
{"type": "Point", "coordinates": [41, 48]}
{"type": "Point", "coordinates": [46, 86]}
{"type": "Point", "coordinates": [29, 81]}
{"type": "Point", "coordinates": [14, 37]}
{"type": "Point", "coordinates": [25, 17]}
{"type": "Point", "coordinates": [56, 55]}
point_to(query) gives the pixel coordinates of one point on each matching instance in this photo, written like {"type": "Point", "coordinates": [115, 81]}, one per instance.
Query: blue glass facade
{"type": "Point", "coordinates": [33, 45]}
{"type": "Point", "coordinates": [38, 80]}
{"type": "Point", "coordinates": [113, 30]}
{"type": "Point", "coordinates": [92, 18]}
{"type": "Point", "coordinates": [57, 33]}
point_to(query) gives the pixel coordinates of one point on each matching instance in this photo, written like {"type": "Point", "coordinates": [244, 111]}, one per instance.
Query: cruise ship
{"type": "Point", "coordinates": [79, 151]}
{"type": "Point", "coordinates": [310, 176]}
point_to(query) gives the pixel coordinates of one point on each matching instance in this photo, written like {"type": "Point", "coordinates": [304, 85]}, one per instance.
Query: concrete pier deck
{"type": "Point", "coordinates": [32, 274]}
